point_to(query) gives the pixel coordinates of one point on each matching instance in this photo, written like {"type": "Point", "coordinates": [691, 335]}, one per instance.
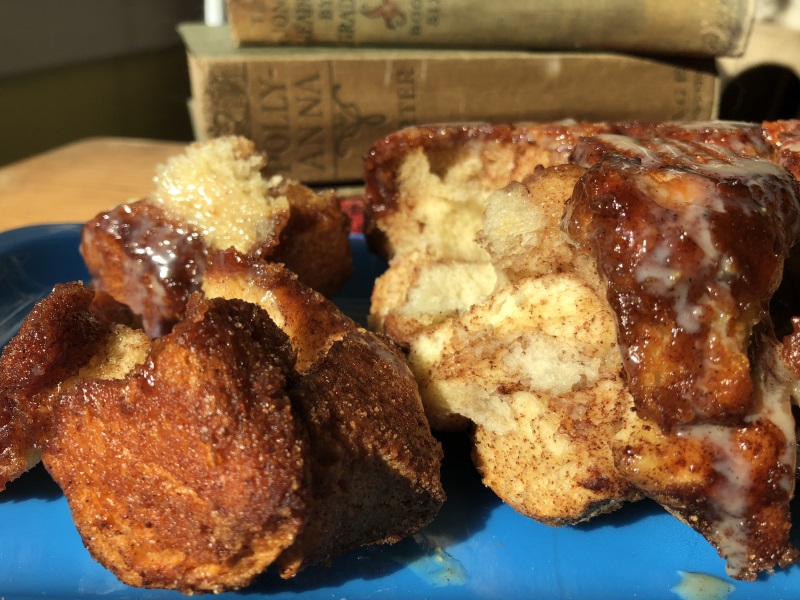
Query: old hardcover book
{"type": "Point", "coordinates": [316, 111]}
{"type": "Point", "coordinates": [686, 27]}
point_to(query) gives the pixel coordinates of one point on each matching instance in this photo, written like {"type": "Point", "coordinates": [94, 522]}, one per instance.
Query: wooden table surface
{"type": "Point", "coordinates": [74, 182]}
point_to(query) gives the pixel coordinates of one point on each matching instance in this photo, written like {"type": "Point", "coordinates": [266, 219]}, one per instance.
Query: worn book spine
{"type": "Point", "coordinates": [687, 27]}
{"type": "Point", "coordinates": [317, 112]}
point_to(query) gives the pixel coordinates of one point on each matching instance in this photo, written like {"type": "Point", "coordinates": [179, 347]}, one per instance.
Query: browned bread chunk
{"type": "Point", "coordinates": [65, 334]}
{"type": "Point", "coordinates": [315, 241]}
{"type": "Point", "coordinates": [188, 474]}
{"type": "Point", "coordinates": [196, 460]}
{"type": "Point", "coordinates": [146, 259]}
{"type": "Point", "coordinates": [690, 239]}
{"type": "Point", "coordinates": [311, 321]}
{"type": "Point", "coordinates": [374, 462]}
{"type": "Point", "coordinates": [151, 254]}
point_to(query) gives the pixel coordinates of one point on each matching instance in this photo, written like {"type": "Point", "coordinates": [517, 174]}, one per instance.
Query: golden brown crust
{"type": "Point", "coordinates": [185, 459]}
{"type": "Point", "coordinates": [58, 336]}
{"type": "Point", "coordinates": [189, 474]}
{"type": "Point", "coordinates": [19, 445]}
{"type": "Point", "coordinates": [310, 320]}
{"type": "Point", "coordinates": [315, 242]}
{"type": "Point", "coordinates": [57, 339]}
{"type": "Point", "coordinates": [374, 464]}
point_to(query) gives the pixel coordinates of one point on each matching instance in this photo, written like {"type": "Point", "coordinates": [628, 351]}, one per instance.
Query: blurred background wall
{"type": "Point", "coordinates": [71, 69]}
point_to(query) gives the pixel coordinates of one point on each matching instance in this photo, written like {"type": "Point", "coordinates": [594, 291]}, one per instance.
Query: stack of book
{"type": "Point", "coordinates": [314, 83]}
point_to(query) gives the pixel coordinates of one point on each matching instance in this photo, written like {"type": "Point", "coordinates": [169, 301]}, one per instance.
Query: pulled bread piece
{"type": "Point", "coordinates": [667, 220]}
{"type": "Point", "coordinates": [733, 484]}
{"type": "Point", "coordinates": [424, 186]}
{"type": "Point", "coordinates": [374, 462]}
{"type": "Point", "coordinates": [189, 473]}
{"type": "Point", "coordinates": [424, 193]}
{"type": "Point", "coordinates": [535, 365]}
{"type": "Point", "coordinates": [690, 403]}
{"type": "Point", "coordinates": [151, 254]}
{"type": "Point", "coordinates": [375, 469]}
{"type": "Point", "coordinates": [73, 332]}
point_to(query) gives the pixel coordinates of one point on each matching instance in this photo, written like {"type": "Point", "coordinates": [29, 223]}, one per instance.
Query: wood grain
{"type": "Point", "coordinates": [74, 182]}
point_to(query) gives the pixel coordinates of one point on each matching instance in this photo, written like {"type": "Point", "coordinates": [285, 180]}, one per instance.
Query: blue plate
{"type": "Point", "coordinates": [477, 547]}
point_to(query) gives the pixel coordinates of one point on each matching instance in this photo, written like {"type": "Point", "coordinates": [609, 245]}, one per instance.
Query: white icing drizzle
{"type": "Point", "coordinates": [773, 384]}
{"type": "Point", "coordinates": [695, 184]}
{"type": "Point", "coordinates": [696, 199]}
{"type": "Point", "coordinates": [722, 162]}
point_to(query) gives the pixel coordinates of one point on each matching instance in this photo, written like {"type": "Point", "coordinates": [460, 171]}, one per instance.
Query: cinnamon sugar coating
{"type": "Point", "coordinates": [188, 474]}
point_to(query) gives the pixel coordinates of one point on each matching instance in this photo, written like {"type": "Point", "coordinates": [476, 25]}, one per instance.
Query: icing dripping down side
{"type": "Point", "coordinates": [691, 241]}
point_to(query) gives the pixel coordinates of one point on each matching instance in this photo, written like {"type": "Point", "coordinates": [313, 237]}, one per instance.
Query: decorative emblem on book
{"type": "Point", "coordinates": [387, 10]}
{"type": "Point", "coordinates": [228, 112]}
{"type": "Point", "coordinates": [348, 122]}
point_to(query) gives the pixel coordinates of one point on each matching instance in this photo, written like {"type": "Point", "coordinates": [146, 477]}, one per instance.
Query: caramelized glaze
{"type": "Point", "coordinates": [691, 240]}
{"type": "Point", "coordinates": [146, 259]}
